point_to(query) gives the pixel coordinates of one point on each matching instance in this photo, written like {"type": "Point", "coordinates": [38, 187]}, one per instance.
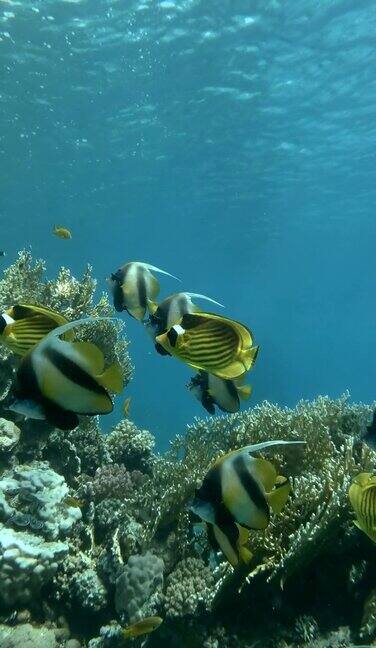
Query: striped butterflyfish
{"type": "Point", "coordinates": [242, 487]}
{"type": "Point", "coordinates": [133, 286]}
{"type": "Point", "coordinates": [362, 495]}
{"type": "Point", "coordinates": [58, 380]}
{"type": "Point", "coordinates": [213, 343]}
{"type": "Point", "coordinates": [170, 311]}
{"type": "Point", "coordinates": [212, 391]}
{"type": "Point", "coordinates": [24, 325]}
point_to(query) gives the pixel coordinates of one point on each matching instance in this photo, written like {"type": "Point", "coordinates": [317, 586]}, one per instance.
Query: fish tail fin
{"type": "Point", "coordinates": [244, 391]}
{"type": "Point", "coordinates": [278, 497]}
{"type": "Point", "coordinates": [199, 296]}
{"type": "Point", "coordinates": [112, 378]}
{"type": "Point", "coordinates": [151, 267]}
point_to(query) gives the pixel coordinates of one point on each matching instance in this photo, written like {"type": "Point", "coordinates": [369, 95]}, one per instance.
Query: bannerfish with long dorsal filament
{"type": "Point", "coordinates": [212, 391]}
{"type": "Point", "coordinates": [213, 343]}
{"type": "Point", "coordinates": [142, 627]}
{"type": "Point", "coordinates": [133, 286]}
{"type": "Point", "coordinates": [362, 495]}
{"type": "Point", "coordinates": [59, 380]}
{"type": "Point", "coordinates": [242, 488]}
{"type": "Point", "coordinates": [170, 311]}
{"type": "Point", "coordinates": [62, 232]}
{"type": "Point", "coordinates": [24, 325]}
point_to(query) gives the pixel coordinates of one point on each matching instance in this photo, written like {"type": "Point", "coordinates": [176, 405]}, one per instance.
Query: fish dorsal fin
{"type": "Point", "coordinates": [199, 296]}
{"type": "Point", "coordinates": [112, 378]}
{"type": "Point", "coordinates": [244, 391]}
{"type": "Point", "coordinates": [278, 497]}
{"type": "Point", "coordinates": [263, 471]}
{"type": "Point", "coordinates": [152, 267]}
{"type": "Point", "coordinates": [256, 447]}
{"type": "Point", "coordinates": [91, 357]}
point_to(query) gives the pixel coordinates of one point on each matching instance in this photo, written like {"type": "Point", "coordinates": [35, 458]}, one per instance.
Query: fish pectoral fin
{"type": "Point", "coordinates": [244, 391]}
{"type": "Point", "coordinates": [112, 378]}
{"type": "Point", "coordinates": [91, 356]}
{"type": "Point", "coordinates": [278, 497]}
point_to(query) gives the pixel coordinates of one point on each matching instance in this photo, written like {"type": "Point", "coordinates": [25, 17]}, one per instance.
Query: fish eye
{"type": "Point", "coordinates": [2, 324]}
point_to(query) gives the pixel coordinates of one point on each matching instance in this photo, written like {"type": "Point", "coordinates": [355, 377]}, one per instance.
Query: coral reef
{"type": "Point", "coordinates": [96, 531]}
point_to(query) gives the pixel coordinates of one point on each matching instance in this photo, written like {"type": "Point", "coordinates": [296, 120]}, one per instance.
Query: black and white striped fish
{"type": "Point", "coordinates": [59, 380]}
{"type": "Point", "coordinates": [133, 286]}
{"type": "Point", "coordinates": [242, 488]}
{"type": "Point", "coordinates": [24, 325]}
{"type": "Point", "coordinates": [213, 343]}
{"type": "Point", "coordinates": [212, 391]}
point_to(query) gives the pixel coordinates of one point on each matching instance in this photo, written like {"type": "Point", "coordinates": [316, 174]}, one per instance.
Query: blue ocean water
{"type": "Point", "coordinates": [231, 143]}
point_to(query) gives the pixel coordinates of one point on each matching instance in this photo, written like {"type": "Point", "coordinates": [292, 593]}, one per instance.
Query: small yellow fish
{"type": "Point", "coordinates": [362, 495]}
{"type": "Point", "coordinates": [73, 502]}
{"type": "Point", "coordinates": [126, 406]}
{"type": "Point", "coordinates": [144, 626]}
{"type": "Point", "coordinates": [62, 232]}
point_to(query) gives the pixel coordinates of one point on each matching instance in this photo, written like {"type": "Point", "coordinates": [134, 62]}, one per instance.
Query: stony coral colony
{"type": "Point", "coordinates": [97, 534]}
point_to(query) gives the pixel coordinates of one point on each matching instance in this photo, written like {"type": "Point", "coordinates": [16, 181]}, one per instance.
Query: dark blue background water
{"type": "Point", "coordinates": [232, 144]}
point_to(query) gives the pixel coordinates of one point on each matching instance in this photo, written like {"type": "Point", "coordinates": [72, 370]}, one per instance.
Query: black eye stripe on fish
{"type": "Point", "coordinates": [3, 324]}
{"type": "Point", "coordinates": [73, 372]}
